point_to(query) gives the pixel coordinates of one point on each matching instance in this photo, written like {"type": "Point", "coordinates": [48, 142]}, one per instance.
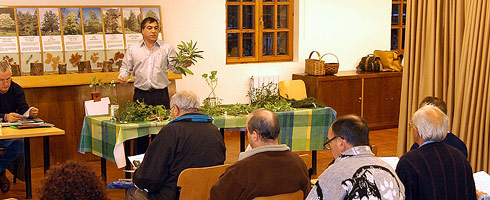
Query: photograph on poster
{"type": "Point", "coordinates": [112, 20]}
{"type": "Point", "coordinates": [7, 22]}
{"type": "Point", "coordinates": [151, 12]}
{"type": "Point", "coordinates": [27, 21]}
{"type": "Point", "coordinates": [92, 23]}
{"type": "Point", "coordinates": [132, 20]}
{"type": "Point", "coordinates": [50, 21]}
{"type": "Point", "coordinates": [71, 21]}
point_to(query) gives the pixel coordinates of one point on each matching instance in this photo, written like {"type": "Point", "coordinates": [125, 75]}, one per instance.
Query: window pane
{"type": "Point", "coordinates": [282, 16]}
{"type": "Point", "coordinates": [233, 0]}
{"type": "Point", "coordinates": [268, 0]}
{"type": "Point", "coordinates": [282, 43]}
{"type": "Point", "coordinates": [232, 17]}
{"type": "Point", "coordinates": [248, 0]}
{"type": "Point", "coordinates": [268, 17]}
{"type": "Point", "coordinates": [248, 44]}
{"type": "Point", "coordinates": [282, 0]}
{"type": "Point", "coordinates": [268, 46]}
{"type": "Point", "coordinates": [394, 39]}
{"type": "Point", "coordinates": [395, 12]}
{"type": "Point", "coordinates": [403, 38]}
{"type": "Point", "coordinates": [396, 0]}
{"type": "Point", "coordinates": [248, 17]}
{"type": "Point", "coordinates": [232, 44]}
{"type": "Point", "coordinates": [404, 13]}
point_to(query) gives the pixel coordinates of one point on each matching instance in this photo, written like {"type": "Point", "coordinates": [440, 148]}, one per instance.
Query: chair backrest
{"type": "Point", "coordinates": [298, 195]}
{"type": "Point", "coordinates": [196, 183]}
{"type": "Point", "coordinates": [374, 149]}
{"type": "Point", "coordinates": [293, 89]}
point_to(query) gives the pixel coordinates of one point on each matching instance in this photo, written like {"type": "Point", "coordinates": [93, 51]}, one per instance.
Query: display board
{"type": "Point", "coordinates": [51, 35]}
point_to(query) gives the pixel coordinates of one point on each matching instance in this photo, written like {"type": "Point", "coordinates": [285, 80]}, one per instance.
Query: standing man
{"type": "Point", "coordinates": [269, 168]}
{"type": "Point", "coordinates": [149, 59]}
{"type": "Point", "coordinates": [435, 170]}
{"type": "Point", "coordinates": [12, 102]}
{"type": "Point", "coordinates": [356, 172]}
{"type": "Point", "coordinates": [190, 140]}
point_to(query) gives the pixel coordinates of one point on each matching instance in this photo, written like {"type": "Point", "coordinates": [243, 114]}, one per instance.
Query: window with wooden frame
{"type": "Point", "coordinates": [398, 19]}
{"type": "Point", "coordinates": [259, 31]}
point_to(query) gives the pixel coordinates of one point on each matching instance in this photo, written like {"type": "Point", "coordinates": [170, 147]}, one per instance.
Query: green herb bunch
{"type": "Point", "coordinates": [106, 86]}
{"type": "Point", "coordinates": [267, 96]}
{"type": "Point", "coordinates": [130, 111]}
{"type": "Point", "coordinates": [187, 55]}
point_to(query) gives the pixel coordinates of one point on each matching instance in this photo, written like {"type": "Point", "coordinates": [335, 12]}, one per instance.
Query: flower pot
{"type": "Point", "coordinates": [112, 109]}
{"type": "Point", "coordinates": [84, 66]}
{"type": "Point", "coordinates": [107, 67]}
{"type": "Point", "coordinates": [96, 96]}
{"type": "Point", "coordinates": [212, 101]}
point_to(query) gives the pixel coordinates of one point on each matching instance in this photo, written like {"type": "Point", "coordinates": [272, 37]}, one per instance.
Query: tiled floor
{"type": "Point", "coordinates": [385, 140]}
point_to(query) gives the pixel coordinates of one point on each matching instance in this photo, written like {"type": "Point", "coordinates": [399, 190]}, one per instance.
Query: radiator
{"type": "Point", "coordinates": [259, 81]}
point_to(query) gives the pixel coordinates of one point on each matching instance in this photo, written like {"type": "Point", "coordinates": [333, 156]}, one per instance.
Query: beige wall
{"type": "Point", "coordinates": [348, 28]}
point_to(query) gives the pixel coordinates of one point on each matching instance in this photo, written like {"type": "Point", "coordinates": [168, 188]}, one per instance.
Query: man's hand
{"type": "Point", "coordinates": [34, 112]}
{"type": "Point", "coordinates": [189, 63]}
{"type": "Point", "coordinates": [13, 117]}
{"type": "Point", "coordinates": [123, 80]}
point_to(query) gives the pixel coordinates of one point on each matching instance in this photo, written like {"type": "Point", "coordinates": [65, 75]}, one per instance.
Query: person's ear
{"type": "Point", "coordinates": [255, 136]}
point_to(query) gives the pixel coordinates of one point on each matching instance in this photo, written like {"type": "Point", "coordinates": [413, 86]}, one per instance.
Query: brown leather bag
{"type": "Point", "coordinates": [391, 60]}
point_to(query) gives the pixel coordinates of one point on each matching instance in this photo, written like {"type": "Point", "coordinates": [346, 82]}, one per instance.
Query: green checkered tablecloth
{"type": "Point", "coordinates": [302, 130]}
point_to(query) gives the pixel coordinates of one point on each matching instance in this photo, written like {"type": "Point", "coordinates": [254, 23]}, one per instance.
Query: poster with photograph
{"type": "Point", "coordinates": [92, 26]}
{"type": "Point", "coordinates": [28, 34]}
{"type": "Point", "coordinates": [132, 25]}
{"type": "Point", "coordinates": [50, 29]}
{"type": "Point", "coordinates": [155, 13]}
{"type": "Point", "coordinates": [113, 28]}
{"type": "Point", "coordinates": [72, 29]}
{"type": "Point", "coordinates": [8, 33]}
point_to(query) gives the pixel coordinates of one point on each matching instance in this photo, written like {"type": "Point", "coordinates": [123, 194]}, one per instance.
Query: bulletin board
{"type": "Point", "coordinates": [50, 35]}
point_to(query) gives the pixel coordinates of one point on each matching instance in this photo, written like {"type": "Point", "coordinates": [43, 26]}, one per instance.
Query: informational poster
{"type": "Point", "coordinates": [50, 29]}
{"type": "Point", "coordinates": [55, 34]}
{"type": "Point", "coordinates": [132, 25]}
{"type": "Point", "coordinates": [113, 28]}
{"type": "Point", "coordinates": [92, 26]}
{"type": "Point", "coordinates": [72, 29]}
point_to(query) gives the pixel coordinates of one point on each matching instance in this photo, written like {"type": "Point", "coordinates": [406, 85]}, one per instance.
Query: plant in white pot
{"type": "Point", "coordinates": [212, 82]}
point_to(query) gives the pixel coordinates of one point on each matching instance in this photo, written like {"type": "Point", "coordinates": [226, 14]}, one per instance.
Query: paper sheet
{"type": "Point", "coordinates": [136, 160]}
{"type": "Point", "coordinates": [392, 161]}
{"type": "Point", "coordinates": [482, 181]}
{"type": "Point", "coordinates": [97, 108]}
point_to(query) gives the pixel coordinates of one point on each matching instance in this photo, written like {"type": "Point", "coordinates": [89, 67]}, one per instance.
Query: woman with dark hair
{"type": "Point", "coordinates": [72, 180]}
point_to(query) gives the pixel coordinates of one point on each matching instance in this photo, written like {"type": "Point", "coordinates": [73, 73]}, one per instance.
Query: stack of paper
{"type": "Point", "coordinates": [482, 181]}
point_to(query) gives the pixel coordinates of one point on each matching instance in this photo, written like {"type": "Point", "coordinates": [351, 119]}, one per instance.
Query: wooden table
{"type": "Point", "coordinates": [10, 133]}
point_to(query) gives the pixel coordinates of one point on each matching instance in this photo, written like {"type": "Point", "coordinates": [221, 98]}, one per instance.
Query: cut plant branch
{"type": "Point", "coordinates": [186, 57]}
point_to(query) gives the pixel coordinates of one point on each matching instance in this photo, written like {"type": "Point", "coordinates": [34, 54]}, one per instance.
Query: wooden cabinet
{"type": "Point", "coordinates": [374, 96]}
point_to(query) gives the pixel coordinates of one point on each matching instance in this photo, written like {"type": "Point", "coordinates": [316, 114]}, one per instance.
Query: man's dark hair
{"type": "Point", "coordinates": [149, 20]}
{"type": "Point", "coordinates": [265, 123]}
{"type": "Point", "coordinates": [437, 102]}
{"type": "Point", "coordinates": [353, 129]}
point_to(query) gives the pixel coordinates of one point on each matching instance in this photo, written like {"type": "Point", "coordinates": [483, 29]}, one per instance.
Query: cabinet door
{"type": "Point", "coordinates": [381, 105]}
{"type": "Point", "coordinates": [343, 95]}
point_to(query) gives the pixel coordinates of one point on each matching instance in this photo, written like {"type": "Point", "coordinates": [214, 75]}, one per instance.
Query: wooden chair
{"type": "Point", "coordinates": [298, 195]}
{"type": "Point", "coordinates": [307, 159]}
{"type": "Point", "coordinates": [196, 183]}
{"type": "Point", "coordinates": [294, 89]}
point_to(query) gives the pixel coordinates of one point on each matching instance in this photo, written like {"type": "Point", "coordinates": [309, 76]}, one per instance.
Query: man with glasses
{"type": "Point", "coordinates": [12, 102]}
{"type": "Point", "coordinates": [356, 173]}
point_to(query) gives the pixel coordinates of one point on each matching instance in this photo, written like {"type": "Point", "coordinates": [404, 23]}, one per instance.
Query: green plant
{"type": "Point", "coordinates": [309, 102]}
{"type": "Point", "coordinates": [212, 82]}
{"type": "Point", "coordinates": [106, 86]}
{"type": "Point", "coordinates": [186, 57]}
{"type": "Point", "coordinates": [130, 111]}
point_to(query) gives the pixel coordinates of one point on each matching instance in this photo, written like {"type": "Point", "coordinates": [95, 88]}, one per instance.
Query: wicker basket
{"type": "Point", "coordinates": [331, 68]}
{"type": "Point", "coordinates": [315, 66]}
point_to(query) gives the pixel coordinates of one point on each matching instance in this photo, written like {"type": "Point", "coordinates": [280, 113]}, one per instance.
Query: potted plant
{"type": "Point", "coordinates": [107, 87]}
{"type": "Point", "coordinates": [186, 57]}
{"type": "Point", "coordinates": [212, 82]}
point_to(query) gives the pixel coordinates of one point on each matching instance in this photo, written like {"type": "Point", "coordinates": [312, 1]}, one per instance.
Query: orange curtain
{"type": "Point", "coordinates": [446, 55]}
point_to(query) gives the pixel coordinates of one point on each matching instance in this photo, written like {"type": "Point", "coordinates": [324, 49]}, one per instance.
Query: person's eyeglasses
{"type": "Point", "coordinates": [327, 143]}
{"type": "Point", "coordinates": [5, 80]}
